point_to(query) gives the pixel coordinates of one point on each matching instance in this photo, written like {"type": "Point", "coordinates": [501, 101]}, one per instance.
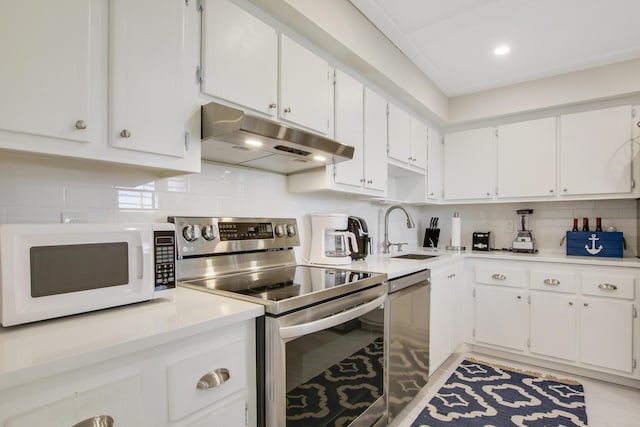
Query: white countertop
{"type": "Point", "coordinates": [394, 267]}
{"type": "Point", "coordinates": [57, 345]}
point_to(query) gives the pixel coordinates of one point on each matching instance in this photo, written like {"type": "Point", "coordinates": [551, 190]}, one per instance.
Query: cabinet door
{"type": "Point", "coordinates": [304, 87]}
{"type": "Point", "coordinates": [239, 57]}
{"type": "Point", "coordinates": [595, 151]}
{"type": "Point", "coordinates": [399, 134]}
{"type": "Point", "coordinates": [501, 317]}
{"type": "Point", "coordinates": [349, 127]}
{"type": "Point", "coordinates": [527, 159]}
{"type": "Point", "coordinates": [146, 74]}
{"type": "Point", "coordinates": [435, 157]}
{"type": "Point", "coordinates": [419, 143]}
{"type": "Point", "coordinates": [606, 333]}
{"type": "Point", "coordinates": [51, 69]}
{"type": "Point", "coordinates": [553, 325]}
{"type": "Point", "coordinates": [469, 164]}
{"type": "Point", "coordinates": [375, 141]}
{"type": "Point", "coordinates": [440, 317]}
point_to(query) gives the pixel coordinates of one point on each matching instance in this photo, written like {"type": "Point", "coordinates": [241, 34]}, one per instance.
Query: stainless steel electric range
{"type": "Point", "coordinates": [323, 340]}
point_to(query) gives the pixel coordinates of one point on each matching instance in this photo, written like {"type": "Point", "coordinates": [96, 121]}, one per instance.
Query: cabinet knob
{"type": "Point", "coordinates": [362, 180]}
{"type": "Point", "coordinates": [81, 124]}
{"type": "Point", "coordinates": [272, 105]}
{"type": "Point", "coordinates": [638, 124]}
{"type": "Point", "coordinates": [551, 191]}
{"type": "Point", "coordinates": [370, 181]}
{"type": "Point", "coordinates": [488, 194]}
{"type": "Point", "coordinates": [124, 133]}
{"type": "Point", "coordinates": [571, 303]}
{"type": "Point", "coordinates": [564, 190]}
{"type": "Point", "coordinates": [99, 421]}
{"type": "Point", "coordinates": [213, 379]}
{"type": "Point", "coordinates": [498, 276]}
{"type": "Point", "coordinates": [519, 297]}
{"type": "Point", "coordinates": [287, 110]}
{"type": "Point", "coordinates": [552, 282]}
{"type": "Point", "coordinates": [607, 287]}
{"type": "Point", "coordinates": [586, 304]}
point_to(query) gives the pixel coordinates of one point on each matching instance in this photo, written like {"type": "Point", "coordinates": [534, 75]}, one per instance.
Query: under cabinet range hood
{"type": "Point", "coordinates": [232, 136]}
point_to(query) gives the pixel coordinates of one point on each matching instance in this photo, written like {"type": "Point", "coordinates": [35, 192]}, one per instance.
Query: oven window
{"type": "Point", "coordinates": [71, 268]}
{"type": "Point", "coordinates": [334, 375]}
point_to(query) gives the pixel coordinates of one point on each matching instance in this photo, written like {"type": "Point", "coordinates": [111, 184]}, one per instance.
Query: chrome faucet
{"type": "Point", "coordinates": [386, 243]}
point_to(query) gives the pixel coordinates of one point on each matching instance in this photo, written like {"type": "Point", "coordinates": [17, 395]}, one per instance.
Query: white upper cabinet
{"type": "Point", "coordinates": [435, 157]}
{"type": "Point", "coordinates": [349, 127]}
{"type": "Point", "coordinates": [419, 143]}
{"type": "Point", "coordinates": [146, 76]}
{"type": "Point", "coordinates": [527, 159]}
{"type": "Point", "coordinates": [375, 141]}
{"type": "Point", "coordinates": [407, 139]}
{"type": "Point", "coordinates": [51, 70]}
{"type": "Point", "coordinates": [399, 124]}
{"type": "Point", "coordinates": [239, 57]}
{"type": "Point", "coordinates": [596, 152]}
{"type": "Point", "coordinates": [304, 87]}
{"type": "Point", "coordinates": [469, 164]}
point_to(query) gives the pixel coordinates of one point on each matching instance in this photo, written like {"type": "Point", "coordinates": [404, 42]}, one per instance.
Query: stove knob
{"type": "Point", "coordinates": [291, 230]}
{"type": "Point", "coordinates": [279, 230]}
{"type": "Point", "coordinates": [208, 232]}
{"type": "Point", "coordinates": [191, 233]}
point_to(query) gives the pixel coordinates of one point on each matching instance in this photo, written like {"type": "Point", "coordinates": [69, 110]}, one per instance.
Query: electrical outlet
{"type": "Point", "coordinates": [508, 226]}
{"type": "Point", "coordinates": [71, 217]}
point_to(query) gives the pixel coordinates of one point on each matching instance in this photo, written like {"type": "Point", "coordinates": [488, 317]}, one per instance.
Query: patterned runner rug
{"type": "Point", "coordinates": [482, 394]}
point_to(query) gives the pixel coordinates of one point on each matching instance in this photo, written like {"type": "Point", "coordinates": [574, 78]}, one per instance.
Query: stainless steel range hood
{"type": "Point", "coordinates": [231, 136]}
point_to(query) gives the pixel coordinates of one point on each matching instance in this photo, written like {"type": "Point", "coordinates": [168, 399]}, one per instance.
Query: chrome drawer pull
{"type": "Point", "coordinates": [101, 421]}
{"type": "Point", "coordinates": [607, 287]}
{"type": "Point", "coordinates": [498, 276]}
{"type": "Point", "coordinates": [213, 379]}
{"type": "Point", "coordinates": [553, 282]}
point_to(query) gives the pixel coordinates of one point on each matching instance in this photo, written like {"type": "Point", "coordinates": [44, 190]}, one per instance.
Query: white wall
{"type": "Point", "coordinates": [37, 189]}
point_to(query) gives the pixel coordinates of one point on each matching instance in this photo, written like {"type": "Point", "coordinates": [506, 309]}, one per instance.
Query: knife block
{"type": "Point", "coordinates": [431, 236]}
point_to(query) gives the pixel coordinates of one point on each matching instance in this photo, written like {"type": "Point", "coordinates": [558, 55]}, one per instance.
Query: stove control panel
{"type": "Point", "coordinates": [198, 236]}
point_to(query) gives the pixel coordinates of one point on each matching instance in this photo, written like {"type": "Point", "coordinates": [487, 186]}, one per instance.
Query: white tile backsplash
{"type": "Point", "coordinates": [37, 189]}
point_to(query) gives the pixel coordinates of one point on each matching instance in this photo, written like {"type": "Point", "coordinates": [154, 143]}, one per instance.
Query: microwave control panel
{"type": "Point", "coordinates": [164, 259]}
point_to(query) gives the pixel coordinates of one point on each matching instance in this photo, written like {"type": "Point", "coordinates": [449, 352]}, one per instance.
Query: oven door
{"type": "Point", "coordinates": [325, 364]}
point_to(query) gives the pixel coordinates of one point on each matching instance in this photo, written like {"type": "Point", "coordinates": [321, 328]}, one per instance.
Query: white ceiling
{"type": "Point", "coordinates": [452, 41]}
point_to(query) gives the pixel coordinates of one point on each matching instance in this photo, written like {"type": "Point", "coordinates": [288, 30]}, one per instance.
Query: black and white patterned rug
{"type": "Point", "coordinates": [482, 394]}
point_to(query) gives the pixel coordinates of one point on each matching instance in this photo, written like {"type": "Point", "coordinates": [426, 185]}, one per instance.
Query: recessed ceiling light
{"type": "Point", "coordinates": [502, 50]}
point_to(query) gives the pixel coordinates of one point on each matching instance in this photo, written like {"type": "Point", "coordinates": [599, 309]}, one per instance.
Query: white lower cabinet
{"type": "Point", "coordinates": [552, 331]}
{"type": "Point", "coordinates": [445, 327]}
{"type": "Point", "coordinates": [173, 384]}
{"type": "Point", "coordinates": [581, 315]}
{"type": "Point", "coordinates": [501, 317]}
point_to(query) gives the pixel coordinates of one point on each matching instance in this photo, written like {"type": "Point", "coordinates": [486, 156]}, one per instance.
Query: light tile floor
{"type": "Point", "coordinates": [608, 405]}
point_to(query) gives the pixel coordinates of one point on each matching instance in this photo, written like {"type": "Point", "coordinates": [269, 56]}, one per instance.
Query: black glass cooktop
{"type": "Point", "coordinates": [287, 288]}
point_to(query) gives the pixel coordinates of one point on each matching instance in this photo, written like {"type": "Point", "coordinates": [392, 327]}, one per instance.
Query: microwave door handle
{"type": "Point", "coordinates": [291, 332]}
{"type": "Point", "coordinates": [140, 262]}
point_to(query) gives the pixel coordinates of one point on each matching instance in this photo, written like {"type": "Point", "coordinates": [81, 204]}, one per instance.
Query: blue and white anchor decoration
{"type": "Point", "coordinates": [595, 244]}
{"type": "Point", "coordinates": [593, 250]}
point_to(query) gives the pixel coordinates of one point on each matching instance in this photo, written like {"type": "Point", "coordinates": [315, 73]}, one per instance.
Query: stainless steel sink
{"type": "Point", "coordinates": [415, 256]}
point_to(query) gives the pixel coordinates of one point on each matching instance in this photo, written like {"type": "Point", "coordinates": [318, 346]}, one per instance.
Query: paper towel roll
{"type": "Point", "coordinates": [455, 230]}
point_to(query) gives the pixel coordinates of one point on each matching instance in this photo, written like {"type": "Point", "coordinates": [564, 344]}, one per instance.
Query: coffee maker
{"type": "Point", "coordinates": [330, 239]}
{"type": "Point", "coordinates": [358, 227]}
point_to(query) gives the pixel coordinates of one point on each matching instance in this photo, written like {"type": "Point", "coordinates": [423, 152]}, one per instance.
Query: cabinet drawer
{"type": "Point", "coordinates": [609, 285]}
{"type": "Point", "coordinates": [500, 275]}
{"type": "Point", "coordinates": [225, 364]}
{"type": "Point", "coordinates": [558, 281]}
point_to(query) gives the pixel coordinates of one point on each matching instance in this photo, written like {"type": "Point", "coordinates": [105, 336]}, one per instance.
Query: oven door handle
{"type": "Point", "coordinates": [290, 332]}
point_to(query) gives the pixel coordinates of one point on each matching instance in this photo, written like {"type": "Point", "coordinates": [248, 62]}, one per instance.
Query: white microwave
{"type": "Point", "coordinates": [54, 270]}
